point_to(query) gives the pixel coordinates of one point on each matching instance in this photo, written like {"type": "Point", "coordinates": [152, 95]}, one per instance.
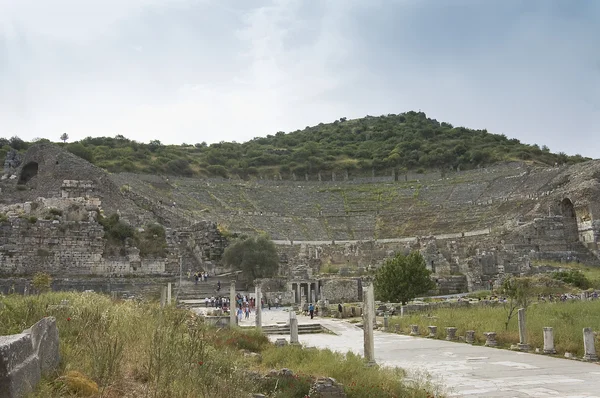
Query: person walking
{"type": "Point", "coordinates": [311, 310]}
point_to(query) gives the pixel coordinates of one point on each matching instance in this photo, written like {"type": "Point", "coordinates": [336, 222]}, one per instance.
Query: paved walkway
{"type": "Point", "coordinates": [464, 370]}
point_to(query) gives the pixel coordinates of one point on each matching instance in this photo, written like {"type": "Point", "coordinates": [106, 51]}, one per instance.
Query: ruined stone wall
{"type": "Point", "coordinates": [341, 290]}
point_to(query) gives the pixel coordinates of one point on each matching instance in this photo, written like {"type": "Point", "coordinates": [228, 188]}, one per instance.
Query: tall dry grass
{"type": "Point", "coordinates": [567, 318]}
{"type": "Point", "coordinates": [133, 349]}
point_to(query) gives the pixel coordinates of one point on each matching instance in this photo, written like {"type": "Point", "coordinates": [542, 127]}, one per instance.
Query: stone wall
{"type": "Point", "coordinates": [341, 290]}
{"type": "Point", "coordinates": [26, 357]}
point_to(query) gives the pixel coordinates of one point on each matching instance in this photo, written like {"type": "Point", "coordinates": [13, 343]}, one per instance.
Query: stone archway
{"type": "Point", "coordinates": [567, 210]}
{"type": "Point", "coordinates": [28, 171]}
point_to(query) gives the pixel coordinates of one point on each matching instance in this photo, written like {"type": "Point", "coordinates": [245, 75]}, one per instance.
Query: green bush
{"type": "Point", "coordinates": [573, 277]}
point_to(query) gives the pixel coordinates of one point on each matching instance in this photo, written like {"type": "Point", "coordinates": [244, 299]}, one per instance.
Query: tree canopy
{"type": "Point", "coordinates": [373, 144]}
{"type": "Point", "coordinates": [402, 278]}
{"type": "Point", "coordinates": [256, 257]}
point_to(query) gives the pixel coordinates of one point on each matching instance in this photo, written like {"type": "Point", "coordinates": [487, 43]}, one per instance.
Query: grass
{"type": "Point", "coordinates": [568, 320]}
{"type": "Point", "coordinates": [127, 349]}
{"type": "Point", "coordinates": [591, 273]}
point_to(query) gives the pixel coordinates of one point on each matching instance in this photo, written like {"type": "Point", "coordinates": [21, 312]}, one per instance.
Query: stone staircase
{"type": "Point", "coordinates": [192, 295]}
{"type": "Point", "coordinates": [302, 329]}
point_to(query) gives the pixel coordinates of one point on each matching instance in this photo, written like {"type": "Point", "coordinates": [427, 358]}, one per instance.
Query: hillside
{"type": "Point", "coordinates": [370, 146]}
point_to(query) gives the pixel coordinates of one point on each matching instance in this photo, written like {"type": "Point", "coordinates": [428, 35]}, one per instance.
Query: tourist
{"type": "Point", "coordinates": [239, 313]}
{"type": "Point", "coordinates": [196, 277]}
{"type": "Point", "coordinates": [277, 302]}
{"type": "Point", "coordinates": [206, 301]}
{"type": "Point", "coordinates": [311, 310]}
{"type": "Point", "coordinates": [340, 309]}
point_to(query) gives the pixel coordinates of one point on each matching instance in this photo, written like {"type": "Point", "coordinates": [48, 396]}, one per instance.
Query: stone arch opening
{"type": "Point", "coordinates": [28, 171]}
{"type": "Point", "coordinates": [567, 210]}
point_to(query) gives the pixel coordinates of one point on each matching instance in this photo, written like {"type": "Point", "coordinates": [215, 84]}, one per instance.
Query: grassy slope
{"type": "Point", "coordinates": [138, 350]}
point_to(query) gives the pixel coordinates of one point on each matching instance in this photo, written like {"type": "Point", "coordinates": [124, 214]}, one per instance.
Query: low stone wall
{"type": "Point", "coordinates": [218, 321]}
{"type": "Point", "coordinates": [27, 356]}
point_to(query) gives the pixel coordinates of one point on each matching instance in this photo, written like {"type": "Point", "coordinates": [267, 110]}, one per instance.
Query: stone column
{"type": "Point", "coordinates": [451, 333]}
{"type": "Point", "coordinates": [414, 330]}
{"type": "Point", "coordinates": [302, 298]}
{"type": "Point", "coordinates": [258, 306]}
{"type": "Point", "coordinates": [432, 331]}
{"type": "Point", "coordinates": [163, 296]}
{"type": "Point", "coordinates": [168, 293]}
{"type": "Point", "coordinates": [490, 339]}
{"type": "Point", "coordinates": [588, 345]}
{"type": "Point", "coordinates": [470, 336]}
{"type": "Point", "coordinates": [523, 346]}
{"type": "Point", "coordinates": [232, 305]}
{"type": "Point", "coordinates": [549, 341]}
{"type": "Point", "coordinates": [293, 328]}
{"type": "Point", "coordinates": [368, 320]}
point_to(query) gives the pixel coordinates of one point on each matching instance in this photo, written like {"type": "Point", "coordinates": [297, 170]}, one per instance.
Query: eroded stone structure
{"type": "Point", "coordinates": [472, 227]}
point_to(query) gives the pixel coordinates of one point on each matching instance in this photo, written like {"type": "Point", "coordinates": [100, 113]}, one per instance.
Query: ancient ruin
{"type": "Point", "coordinates": [473, 227]}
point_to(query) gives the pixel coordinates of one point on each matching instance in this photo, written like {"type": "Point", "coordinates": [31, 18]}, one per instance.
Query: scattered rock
{"type": "Point", "coordinates": [327, 387]}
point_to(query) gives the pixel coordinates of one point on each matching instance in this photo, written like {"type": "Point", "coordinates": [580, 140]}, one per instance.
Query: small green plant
{"type": "Point", "coordinates": [32, 219]}
{"type": "Point", "coordinates": [55, 212]}
{"type": "Point", "coordinates": [21, 188]}
{"type": "Point", "coordinates": [42, 282]}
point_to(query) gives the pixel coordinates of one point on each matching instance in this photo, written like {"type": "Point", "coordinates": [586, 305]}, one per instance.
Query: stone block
{"type": "Point", "coordinates": [19, 366]}
{"type": "Point", "coordinates": [44, 338]}
{"type": "Point", "coordinates": [327, 387]}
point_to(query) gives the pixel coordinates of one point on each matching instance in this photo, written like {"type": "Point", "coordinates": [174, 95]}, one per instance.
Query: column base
{"type": "Point", "coordinates": [552, 351]}
{"type": "Point", "coordinates": [590, 357]}
{"type": "Point", "coordinates": [523, 347]}
{"type": "Point", "coordinates": [371, 363]}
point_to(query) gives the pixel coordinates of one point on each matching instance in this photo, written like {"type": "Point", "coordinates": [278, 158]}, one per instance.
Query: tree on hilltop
{"type": "Point", "coordinates": [256, 257]}
{"type": "Point", "coordinates": [402, 278]}
{"type": "Point", "coordinates": [64, 137]}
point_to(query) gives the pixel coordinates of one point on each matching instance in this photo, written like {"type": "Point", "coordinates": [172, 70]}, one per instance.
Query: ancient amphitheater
{"type": "Point", "coordinates": [473, 227]}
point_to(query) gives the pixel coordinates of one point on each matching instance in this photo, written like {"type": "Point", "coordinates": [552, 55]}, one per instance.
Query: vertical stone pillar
{"type": "Point", "coordinates": [302, 298]}
{"type": "Point", "coordinates": [169, 289]}
{"type": "Point", "coordinates": [470, 336]}
{"type": "Point", "coordinates": [414, 330]}
{"type": "Point", "coordinates": [293, 328]}
{"type": "Point", "coordinates": [523, 346]}
{"type": "Point", "coordinates": [451, 333]}
{"type": "Point", "coordinates": [490, 339]}
{"type": "Point", "coordinates": [588, 345]}
{"type": "Point", "coordinates": [432, 331]}
{"type": "Point", "coordinates": [163, 296]}
{"type": "Point", "coordinates": [258, 294]}
{"type": "Point", "coordinates": [549, 341]}
{"type": "Point", "coordinates": [368, 320]}
{"type": "Point", "coordinates": [232, 305]}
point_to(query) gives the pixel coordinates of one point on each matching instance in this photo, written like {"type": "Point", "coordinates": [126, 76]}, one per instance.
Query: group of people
{"type": "Point", "coordinates": [199, 276]}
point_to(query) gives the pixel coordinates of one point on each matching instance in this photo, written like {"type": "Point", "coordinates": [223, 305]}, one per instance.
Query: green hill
{"type": "Point", "coordinates": [366, 146]}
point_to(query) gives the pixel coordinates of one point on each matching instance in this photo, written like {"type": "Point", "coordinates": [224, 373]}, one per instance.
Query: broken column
{"type": "Point", "coordinates": [368, 320]}
{"type": "Point", "coordinates": [293, 328]}
{"type": "Point", "coordinates": [523, 346]}
{"type": "Point", "coordinates": [490, 339]}
{"type": "Point", "coordinates": [588, 345]}
{"type": "Point", "coordinates": [451, 333]}
{"type": "Point", "coordinates": [169, 293]}
{"type": "Point", "coordinates": [470, 336]}
{"type": "Point", "coordinates": [163, 296]}
{"type": "Point", "coordinates": [414, 330]}
{"type": "Point", "coordinates": [232, 305]}
{"type": "Point", "coordinates": [258, 305]}
{"type": "Point", "coordinates": [432, 331]}
{"type": "Point", "coordinates": [549, 341]}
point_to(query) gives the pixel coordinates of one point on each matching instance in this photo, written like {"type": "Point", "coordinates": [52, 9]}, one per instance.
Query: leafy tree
{"type": "Point", "coordinates": [256, 257]}
{"type": "Point", "coordinates": [42, 282]}
{"type": "Point", "coordinates": [573, 277]}
{"type": "Point", "coordinates": [402, 278]}
{"type": "Point", "coordinates": [64, 137]}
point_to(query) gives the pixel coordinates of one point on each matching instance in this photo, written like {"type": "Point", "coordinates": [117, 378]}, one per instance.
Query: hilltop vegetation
{"type": "Point", "coordinates": [407, 141]}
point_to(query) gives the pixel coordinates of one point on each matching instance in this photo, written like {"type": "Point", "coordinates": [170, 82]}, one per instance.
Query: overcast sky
{"type": "Point", "coordinates": [212, 70]}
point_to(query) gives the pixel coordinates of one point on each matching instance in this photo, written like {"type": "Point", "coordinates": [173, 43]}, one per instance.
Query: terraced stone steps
{"type": "Point", "coordinates": [302, 329]}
